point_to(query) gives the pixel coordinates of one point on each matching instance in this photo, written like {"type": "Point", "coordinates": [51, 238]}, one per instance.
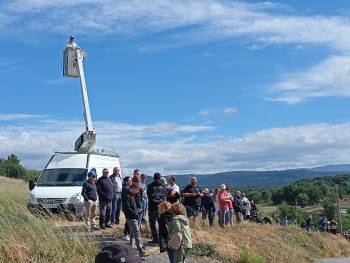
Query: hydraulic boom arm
{"type": "Point", "coordinates": [73, 68]}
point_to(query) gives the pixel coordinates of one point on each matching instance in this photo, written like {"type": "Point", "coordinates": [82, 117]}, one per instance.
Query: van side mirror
{"type": "Point", "coordinates": [31, 184]}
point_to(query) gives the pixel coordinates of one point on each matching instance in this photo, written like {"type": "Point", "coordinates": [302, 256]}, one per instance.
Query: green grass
{"type": "Point", "coordinates": [248, 256]}
{"type": "Point", "coordinates": [267, 210]}
{"type": "Point", "coordinates": [26, 238]}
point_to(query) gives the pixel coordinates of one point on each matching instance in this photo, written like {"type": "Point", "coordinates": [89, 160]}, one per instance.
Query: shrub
{"type": "Point", "coordinates": [204, 249]}
{"type": "Point", "coordinates": [247, 256]}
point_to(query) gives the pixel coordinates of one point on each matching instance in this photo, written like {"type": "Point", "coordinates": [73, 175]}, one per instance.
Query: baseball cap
{"type": "Point", "coordinates": [223, 186]}
{"type": "Point", "coordinates": [117, 253]}
{"type": "Point", "coordinates": [92, 173]}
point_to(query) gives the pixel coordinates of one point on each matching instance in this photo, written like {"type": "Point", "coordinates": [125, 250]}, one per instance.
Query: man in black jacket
{"type": "Point", "coordinates": [192, 199]}
{"type": "Point", "coordinates": [131, 213]}
{"type": "Point", "coordinates": [105, 190]}
{"type": "Point", "coordinates": [156, 192]}
{"type": "Point", "coordinates": [208, 206]}
{"type": "Point", "coordinates": [89, 193]}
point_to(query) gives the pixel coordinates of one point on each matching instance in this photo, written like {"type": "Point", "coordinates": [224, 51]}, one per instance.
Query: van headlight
{"type": "Point", "coordinates": [76, 198]}
{"type": "Point", "coordinates": [32, 200]}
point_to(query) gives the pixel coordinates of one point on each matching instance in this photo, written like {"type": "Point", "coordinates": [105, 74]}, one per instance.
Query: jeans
{"type": "Point", "coordinates": [171, 255]}
{"type": "Point", "coordinates": [116, 208]}
{"type": "Point", "coordinates": [223, 216]}
{"type": "Point", "coordinates": [230, 216]}
{"type": "Point", "coordinates": [105, 212]}
{"type": "Point", "coordinates": [144, 212]}
{"type": "Point", "coordinates": [176, 256]}
{"type": "Point", "coordinates": [238, 217]}
{"type": "Point", "coordinates": [126, 230]}
{"type": "Point", "coordinates": [153, 218]}
{"type": "Point", "coordinates": [135, 233]}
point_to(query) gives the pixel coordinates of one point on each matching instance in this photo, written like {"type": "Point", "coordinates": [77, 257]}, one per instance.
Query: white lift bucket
{"type": "Point", "coordinates": [70, 62]}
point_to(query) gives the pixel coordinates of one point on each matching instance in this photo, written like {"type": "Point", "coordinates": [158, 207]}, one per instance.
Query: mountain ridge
{"type": "Point", "coordinates": [262, 179]}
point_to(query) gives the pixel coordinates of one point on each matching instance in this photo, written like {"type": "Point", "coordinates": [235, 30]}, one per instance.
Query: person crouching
{"type": "Point", "coordinates": [132, 216]}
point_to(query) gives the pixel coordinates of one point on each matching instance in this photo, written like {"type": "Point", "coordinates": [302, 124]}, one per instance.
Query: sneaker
{"type": "Point", "coordinates": [102, 227]}
{"type": "Point", "coordinates": [126, 238]}
{"type": "Point", "coordinates": [108, 226]}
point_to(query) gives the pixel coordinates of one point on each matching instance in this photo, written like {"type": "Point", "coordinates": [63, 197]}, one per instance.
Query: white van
{"type": "Point", "coordinates": [59, 186]}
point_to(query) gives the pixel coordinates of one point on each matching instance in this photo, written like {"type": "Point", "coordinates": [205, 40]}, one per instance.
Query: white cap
{"type": "Point", "coordinates": [223, 187]}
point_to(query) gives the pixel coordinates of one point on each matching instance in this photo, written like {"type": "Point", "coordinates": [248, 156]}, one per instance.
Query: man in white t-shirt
{"type": "Point", "coordinates": [172, 185]}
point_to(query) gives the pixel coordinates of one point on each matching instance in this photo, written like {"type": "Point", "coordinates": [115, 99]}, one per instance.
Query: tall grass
{"type": "Point", "coordinates": [253, 243]}
{"type": "Point", "coordinates": [27, 238]}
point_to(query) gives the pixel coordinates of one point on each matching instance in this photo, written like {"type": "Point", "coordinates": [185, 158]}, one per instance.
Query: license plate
{"type": "Point", "coordinates": [50, 205]}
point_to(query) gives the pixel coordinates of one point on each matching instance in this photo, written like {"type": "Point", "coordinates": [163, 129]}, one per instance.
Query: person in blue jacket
{"type": "Point", "coordinates": [238, 207]}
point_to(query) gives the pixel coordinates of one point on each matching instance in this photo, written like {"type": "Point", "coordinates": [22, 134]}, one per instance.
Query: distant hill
{"type": "Point", "coordinates": [260, 179]}
{"type": "Point", "coordinates": [340, 168]}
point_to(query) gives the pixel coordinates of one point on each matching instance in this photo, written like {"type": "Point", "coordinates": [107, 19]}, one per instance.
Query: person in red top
{"type": "Point", "coordinates": [224, 200]}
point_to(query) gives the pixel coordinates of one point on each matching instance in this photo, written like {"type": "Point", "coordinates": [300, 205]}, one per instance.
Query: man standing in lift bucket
{"type": "Point", "coordinates": [89, 193]}
{"type": "Point", "coordinates": [105, 191]}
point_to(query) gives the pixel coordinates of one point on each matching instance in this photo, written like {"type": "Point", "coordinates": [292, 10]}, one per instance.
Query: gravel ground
{"type": "Point", "coordinates": [155, 256]}
{"type": "Point", "coordinates": [334, 260]}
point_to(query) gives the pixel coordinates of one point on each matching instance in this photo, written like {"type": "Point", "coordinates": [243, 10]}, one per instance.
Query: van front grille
{"type": "Point", "coordinates": [51, 201]}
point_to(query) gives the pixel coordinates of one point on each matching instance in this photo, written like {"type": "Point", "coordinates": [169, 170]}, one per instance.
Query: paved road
{"type": "Point", "coordinates": [334, 260]}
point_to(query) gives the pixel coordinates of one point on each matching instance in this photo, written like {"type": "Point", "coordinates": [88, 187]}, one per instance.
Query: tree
{"type": "Point", "coordinates": [285, 211]}
{"type": "Point", "coordinates": [266, 196]}
{"type": "Point", "coordinates": [329, 209]}
{"type": "Point", "coordinates": [303, 199]}
{"type": "Point", "coordinates": [12, 167]}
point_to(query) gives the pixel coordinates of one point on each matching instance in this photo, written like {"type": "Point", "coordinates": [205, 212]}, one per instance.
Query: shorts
{"type": "Point", "coordinates": [192, 211]}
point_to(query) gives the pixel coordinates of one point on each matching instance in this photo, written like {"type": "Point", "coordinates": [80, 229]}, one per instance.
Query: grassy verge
{"type": "Point", "coordinates": [26, 238]}
{"type": "Point", "coordinates": [250, 242]}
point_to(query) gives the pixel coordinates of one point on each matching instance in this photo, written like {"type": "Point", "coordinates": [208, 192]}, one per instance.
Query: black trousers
{"type": "Point", "coordinates": [153, 218]}
{"type": "Point", "coordinates": [105, 212]}
{"type": "Point", "coordinates": [207, 213]}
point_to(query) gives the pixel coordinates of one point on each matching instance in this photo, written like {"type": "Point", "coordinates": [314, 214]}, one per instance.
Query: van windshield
{"type": "Point", "coordinates": [63, 177]}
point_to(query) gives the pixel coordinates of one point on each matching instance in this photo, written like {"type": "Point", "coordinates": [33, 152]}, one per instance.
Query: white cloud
{"type": "Point", "coordinates": [330, 77]}
{"type": "Point", "coordinates": [175, 148]}
{"type": "Point", "coordinates": [20, 116]}
{"type": "Point", "coordinates": [230, 110]}
{"type": "Point", "coordinates": [205, 19]}
{"type": "Point", "coordinates": [199, 21]}
{"type": "Point", "coordinates": [217, 112]}
{"type": "Point", "coordinates": [205, 113]}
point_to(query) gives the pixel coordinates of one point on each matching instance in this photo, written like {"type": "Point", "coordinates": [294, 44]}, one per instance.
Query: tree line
{"type": "Point", "coordinates": [12, 167]}
{"type": "Point", "coordinates": [305, 192]}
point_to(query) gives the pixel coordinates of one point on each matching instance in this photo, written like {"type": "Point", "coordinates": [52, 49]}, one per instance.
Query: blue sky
{"type": "Point", "coordinates": [180, 86]}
